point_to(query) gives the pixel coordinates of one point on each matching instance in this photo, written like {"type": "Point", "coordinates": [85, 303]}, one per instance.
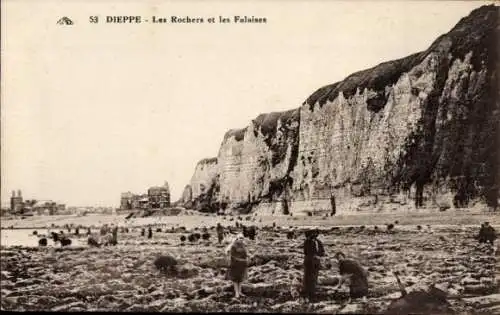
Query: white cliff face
{"type": "Point", "coordinates": [203, 177]}
{"type": "Point", "coordinates": [344, 145]}
{"type": "Point", "coordinates": [229, 168]}
{"type": "Point", "coordinates": [456, 139]}
{"type": "Point", "coordinates": [187, 195]}
{"type": "Point", "coordinates": [421, 131]}
{"type": "Point", "coordinates": [250, 166]}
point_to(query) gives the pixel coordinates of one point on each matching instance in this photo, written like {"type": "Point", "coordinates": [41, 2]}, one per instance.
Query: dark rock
{"type": "Point", "coordinates": [65, 242]}
{"type": "Point", "coordinates": [165, 262]}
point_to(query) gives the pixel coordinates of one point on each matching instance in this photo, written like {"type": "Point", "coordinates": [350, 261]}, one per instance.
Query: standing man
{"type": "Point", "coordinates": [313, 249]}
{"type": "Point", "coordinates": [220, 232]}
{"type": "Point", "coordinates": [115, 235]}
{"type": "Point", "coordinates": [332, 203]}
{"type": "Point", "coordinates": [482, 234]}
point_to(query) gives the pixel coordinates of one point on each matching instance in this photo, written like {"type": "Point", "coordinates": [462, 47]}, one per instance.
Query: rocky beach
{"type": "Point", "coordinates": [397, 167]}
{"type": "Point", "coordinates": [124, 278]}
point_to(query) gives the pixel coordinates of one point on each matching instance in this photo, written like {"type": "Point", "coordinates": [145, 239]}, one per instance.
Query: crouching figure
{"type": "Point", "coordinates": [348, 268]}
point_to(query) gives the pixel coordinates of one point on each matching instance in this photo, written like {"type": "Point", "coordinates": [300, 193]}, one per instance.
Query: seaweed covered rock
{"type": "Point", "coordinates": [165, 262]}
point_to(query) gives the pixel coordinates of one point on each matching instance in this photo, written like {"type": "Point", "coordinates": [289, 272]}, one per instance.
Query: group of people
{"type": "Point", "coordinates": [150, 232]}
{"type": "Point", "coordinates": [108, 236]}
{"type": "Point", "coordinates": [313, 251]}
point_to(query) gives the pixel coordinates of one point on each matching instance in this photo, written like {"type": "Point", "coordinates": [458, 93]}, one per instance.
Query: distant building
{"type": "Point", "coordinates": [47, 207]}
{"type": "Point", "coordinates": [126, 200]}
{"type": "Point", "coordinates": [16, 202]}
{"type": "Point", "coordinates": [4, 211]}
{"type": "Point", "coordinates": [157, 197]}
{"type": "Point", "coordinates": [31, 207]}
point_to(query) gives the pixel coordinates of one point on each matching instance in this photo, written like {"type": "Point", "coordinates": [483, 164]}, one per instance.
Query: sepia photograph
{"type": "Point", "coordinates": [329, 157]}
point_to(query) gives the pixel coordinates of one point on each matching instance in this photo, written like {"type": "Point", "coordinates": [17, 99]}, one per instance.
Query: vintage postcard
{"type": "Point", "coordinates": [250, 156]}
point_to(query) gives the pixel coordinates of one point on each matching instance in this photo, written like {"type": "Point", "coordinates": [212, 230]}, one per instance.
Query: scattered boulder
{"type": "Point", "coordinates": [92, 242]}
{"type": "Point", "coordinates": [431, 301]}
{"type": "Point", "coordinates": [420, 302]}
{"type": "Point", "coordinates": [165, 262]}
{"type": "Point", "coordinates": [65, 241]}
{"type": "Point", "coordinates": [191, 238]}
{"type": "Point", "coordinates": [42, 242]}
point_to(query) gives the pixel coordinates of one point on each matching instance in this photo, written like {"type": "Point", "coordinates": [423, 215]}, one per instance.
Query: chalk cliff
{"type": "Point", "coordinates": [200, 194]}
{"type": "Point", "coordinates": [421, 131]}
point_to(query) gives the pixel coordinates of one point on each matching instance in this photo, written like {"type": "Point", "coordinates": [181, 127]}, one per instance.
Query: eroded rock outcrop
{"type": "Point", "coordinates": [255, 163]}
{"type": "Point", "coordinates": [200, 194]}
{"type": "Point", "coordinates": [421, 131]}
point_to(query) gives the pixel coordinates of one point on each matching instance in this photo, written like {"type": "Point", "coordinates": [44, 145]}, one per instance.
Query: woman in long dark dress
{"type": "Point", "coordinates": [238, 264]}
{"type": "Point", "coordinates": [313, 249]}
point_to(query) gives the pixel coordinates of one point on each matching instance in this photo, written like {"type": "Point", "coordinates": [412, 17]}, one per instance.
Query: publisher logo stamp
{"type": "Point", "coordinates": [65, 21]}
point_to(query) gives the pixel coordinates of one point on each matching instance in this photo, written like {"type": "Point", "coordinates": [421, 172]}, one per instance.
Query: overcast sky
{"type": "Point", "coordinates": [92, 110]}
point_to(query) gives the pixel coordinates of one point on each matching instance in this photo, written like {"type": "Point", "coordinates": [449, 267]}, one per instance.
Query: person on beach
{"type": "Point", "coordinates": [114, 239]}
{"type": "Point", "coordinates": [313, 250]}
{"type": "Point", "coordinates": [220, 232]}
{"type": "Point", "coordinates": [351, 269]}
{"type": "Point", "coordinates": [489, 233]}
{"type": "Point", "coordinates": [104, 230]}
{"type": "Point", "coordinates": [238, 264]}
{"type": "Point", "coordinates": [150, 232]}
{"type": "Point", "coordinates": [333, 205]}
{"type": "Point", "coordinates": [482, 235]}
